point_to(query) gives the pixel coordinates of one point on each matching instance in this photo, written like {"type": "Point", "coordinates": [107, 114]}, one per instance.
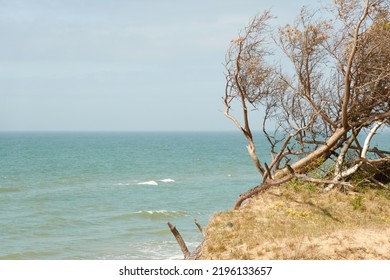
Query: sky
{"type": "Point", "coordinates": [120, 65]}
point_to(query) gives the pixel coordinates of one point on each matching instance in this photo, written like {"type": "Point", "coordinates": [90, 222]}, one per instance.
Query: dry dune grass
{"type": "Point", "coordinates": [300, 223]}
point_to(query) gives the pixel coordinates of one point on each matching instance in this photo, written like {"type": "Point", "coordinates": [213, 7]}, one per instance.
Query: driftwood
{"type": "Point", "coordinates": [199, 227]}
{"type": "Point", "coordinates": [187, 254]}
{"type": "Point", "coordinates": [180, 241]}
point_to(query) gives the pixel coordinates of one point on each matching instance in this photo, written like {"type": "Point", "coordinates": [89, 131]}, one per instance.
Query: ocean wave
{"type": "Point", "coordinates": [152, 250]}
{"type": "Point", "coordinates": [164, 250]}
{"type": "Point", "coordinates": [122, 184]}
{"type": "Point", "coordinates": [151, 215]}
{"type": "Point", "coordinates": [168, 180]}
{"type": "Point", "coordinates": [150, 183]}
{"type": "Point", "coordinates": [160, 214]}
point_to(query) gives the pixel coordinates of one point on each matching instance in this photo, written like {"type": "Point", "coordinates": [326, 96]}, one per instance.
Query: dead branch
{"type": "Point", "coordinates": [338, 87]}
{"type": "Point", "coordinates": [346, 173]}
{"type": "Point", "coordinates": [199, 227]}
{"type": "Point", "coordinates": [180, 241]}
{"type": "Point", "coordinates": [348, 70]}
{"type": "Point", "coordinates": [272, 183]}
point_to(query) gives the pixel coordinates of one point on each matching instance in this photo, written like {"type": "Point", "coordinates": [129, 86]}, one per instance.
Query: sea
{"type": "Point", "coordinates": [110, 195]}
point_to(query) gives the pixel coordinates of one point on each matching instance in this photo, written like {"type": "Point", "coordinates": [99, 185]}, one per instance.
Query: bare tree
{"type": "Point", "coordinates": [337, 91]}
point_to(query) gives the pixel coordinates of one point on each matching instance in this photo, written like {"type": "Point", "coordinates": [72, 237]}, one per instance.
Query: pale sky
{"type": "Point", "coordinates": [120, 64]}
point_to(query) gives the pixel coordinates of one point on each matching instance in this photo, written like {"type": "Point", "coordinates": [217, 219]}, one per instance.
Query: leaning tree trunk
{"type": "Point", "coordinates": [322, 152]}
{"type": "Point", "coordinates": [289, 172]}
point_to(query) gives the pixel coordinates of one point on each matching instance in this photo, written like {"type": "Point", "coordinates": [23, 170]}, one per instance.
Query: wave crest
{"type": "Point", "coordinates": [168, 180]}
{"type": "Point", "coordinates": [150, 183]}
{"type": "Point", "coordinates": [159, 214]}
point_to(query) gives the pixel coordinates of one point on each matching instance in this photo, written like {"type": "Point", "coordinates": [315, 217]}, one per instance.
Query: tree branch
{"type": "Point", "coordinates": [347, 77]}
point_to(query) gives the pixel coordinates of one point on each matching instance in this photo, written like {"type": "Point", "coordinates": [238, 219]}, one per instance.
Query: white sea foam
{"type": "Point", "coordinates": [153, 212]}
{"type": "Point", "coordinates": [168, 180]}
{"type": "Point", "coordinates": [150, 183]}
{"type": "Point", "coordinates": [161, 213]}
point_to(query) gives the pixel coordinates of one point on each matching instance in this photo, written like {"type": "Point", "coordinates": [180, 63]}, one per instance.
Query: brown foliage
{"type": "Point", "coordinates": [338, 88]}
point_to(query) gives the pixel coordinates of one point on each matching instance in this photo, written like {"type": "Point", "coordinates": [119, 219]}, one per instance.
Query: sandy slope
{"type": "Point", "coordinates": [291, 224]}
{"type": "Point", "coordinates": [356, 244]}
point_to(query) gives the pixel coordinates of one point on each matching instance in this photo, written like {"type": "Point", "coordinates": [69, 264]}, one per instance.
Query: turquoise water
{"type": "Point", "coordinates": [110, 195]}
